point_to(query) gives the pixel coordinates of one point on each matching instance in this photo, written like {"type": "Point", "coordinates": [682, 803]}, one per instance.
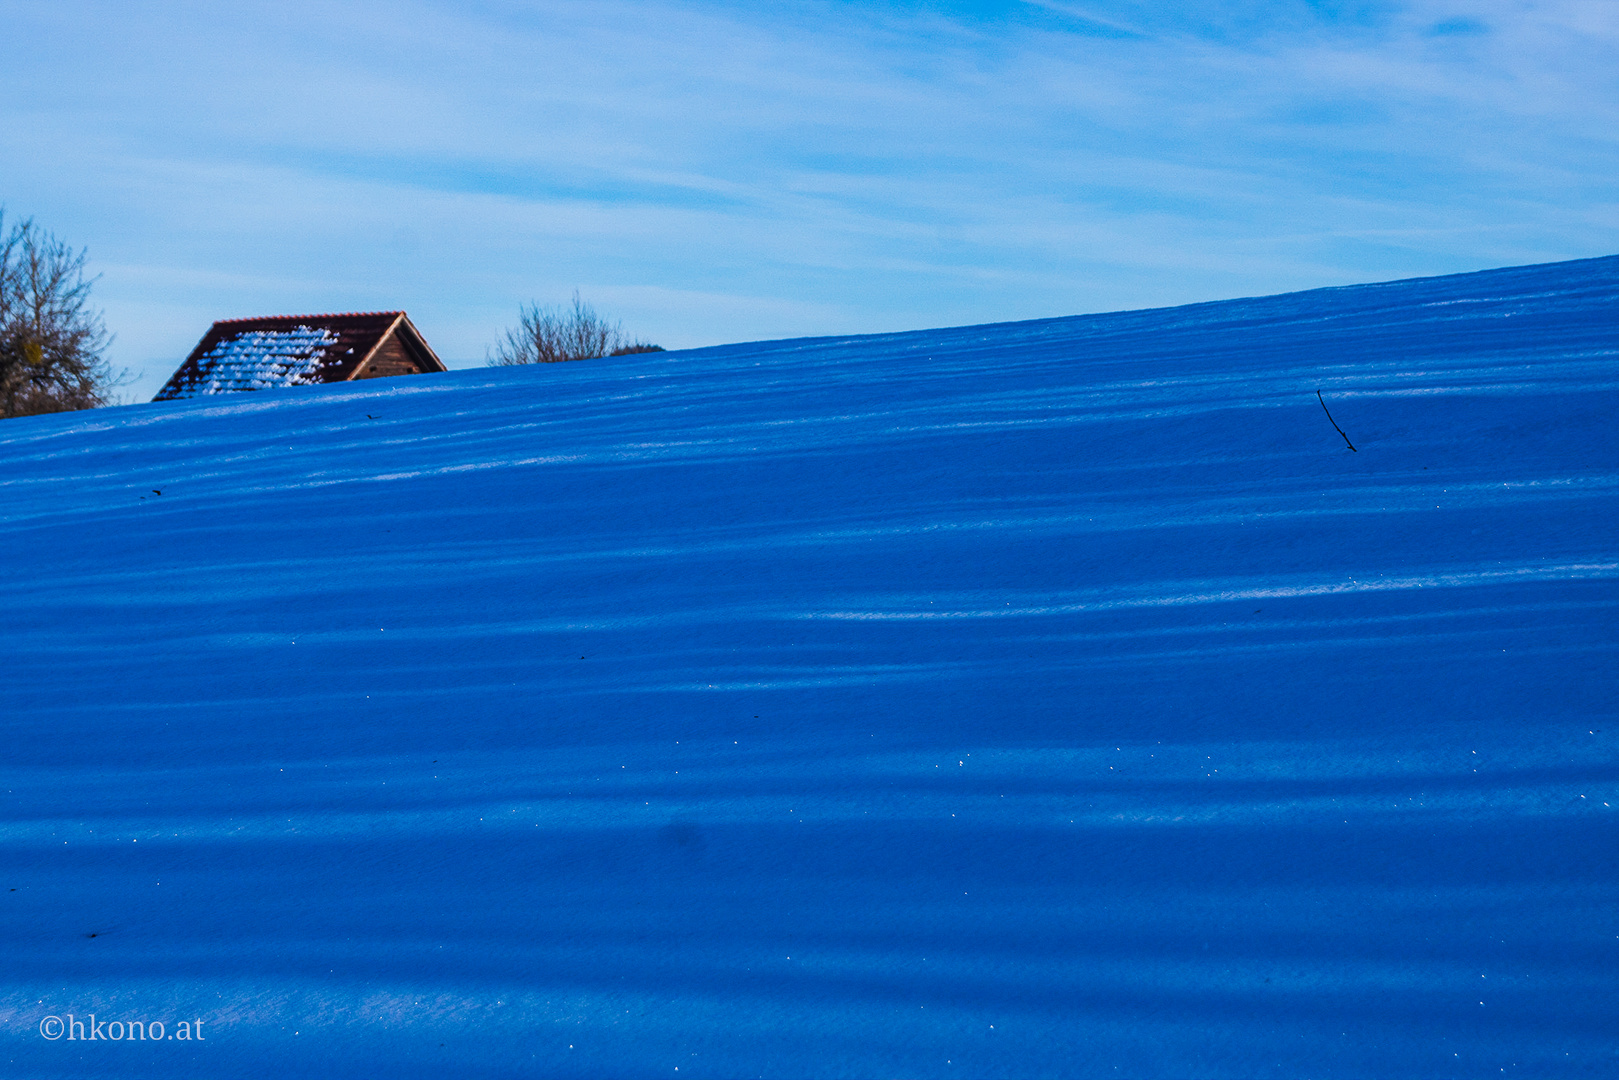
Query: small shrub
{"type": "Point", "coordinates": [552, 335]}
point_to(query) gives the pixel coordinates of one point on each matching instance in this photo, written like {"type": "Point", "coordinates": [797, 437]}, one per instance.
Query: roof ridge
{"type": "Point", "coordinates": [326, 315]}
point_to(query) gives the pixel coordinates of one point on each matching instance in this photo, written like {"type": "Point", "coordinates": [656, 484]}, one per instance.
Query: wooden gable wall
{"type": "Point", "coordinates": [390, 357]}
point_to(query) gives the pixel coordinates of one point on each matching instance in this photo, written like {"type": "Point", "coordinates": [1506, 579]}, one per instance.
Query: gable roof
{"type": "Point", "coordinates": [295, 350]}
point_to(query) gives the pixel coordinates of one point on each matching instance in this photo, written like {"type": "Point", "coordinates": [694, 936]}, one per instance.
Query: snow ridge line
{"type": "Point", "coordinates": [1566, 572]}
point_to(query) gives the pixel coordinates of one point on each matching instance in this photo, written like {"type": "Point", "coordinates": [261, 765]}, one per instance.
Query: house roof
{"type": "Point", "coordinates": [292, 350]}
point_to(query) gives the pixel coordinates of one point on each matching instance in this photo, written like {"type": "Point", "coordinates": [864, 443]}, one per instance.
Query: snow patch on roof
{"type": "Point", "coordinates": [260, 360]}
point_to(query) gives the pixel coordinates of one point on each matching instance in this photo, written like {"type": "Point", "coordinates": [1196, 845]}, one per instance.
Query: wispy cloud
{"type": "Point", "coordinates": [723, 172]}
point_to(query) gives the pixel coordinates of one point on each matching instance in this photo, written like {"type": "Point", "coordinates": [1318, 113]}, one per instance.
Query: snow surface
{"type": "Point", "coordinates": [260, 360]}
{"type": "Point", "coordinates": [1057, 698]}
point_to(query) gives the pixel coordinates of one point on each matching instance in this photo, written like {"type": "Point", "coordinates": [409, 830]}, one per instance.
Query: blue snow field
{"type": "Point", "coordinates": [1056, 698]}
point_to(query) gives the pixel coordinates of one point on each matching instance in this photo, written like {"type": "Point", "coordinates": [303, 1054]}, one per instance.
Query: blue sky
{"type": "Point", "coordinates": [714, 172]}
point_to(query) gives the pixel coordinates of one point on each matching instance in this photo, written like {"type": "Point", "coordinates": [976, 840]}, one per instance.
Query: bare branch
{"type": "Point", "coordinates": [52, 343]}
{"type": "Point", "coordinates": [553, 335]}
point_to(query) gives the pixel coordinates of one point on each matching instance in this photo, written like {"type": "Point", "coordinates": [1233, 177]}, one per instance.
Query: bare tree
{"type": "Point", "coordinates": [52, 343]}
{"type": "Point", "coordinates": [575, 332]}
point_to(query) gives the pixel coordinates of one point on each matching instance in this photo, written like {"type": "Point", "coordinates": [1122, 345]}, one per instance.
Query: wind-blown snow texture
{"type": "Point", "coordinates": [1053, 698]}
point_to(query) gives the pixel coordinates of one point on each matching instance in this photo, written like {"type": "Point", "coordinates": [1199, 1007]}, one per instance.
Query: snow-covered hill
{"type": "Point", "coordinates": [1044, 699]}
